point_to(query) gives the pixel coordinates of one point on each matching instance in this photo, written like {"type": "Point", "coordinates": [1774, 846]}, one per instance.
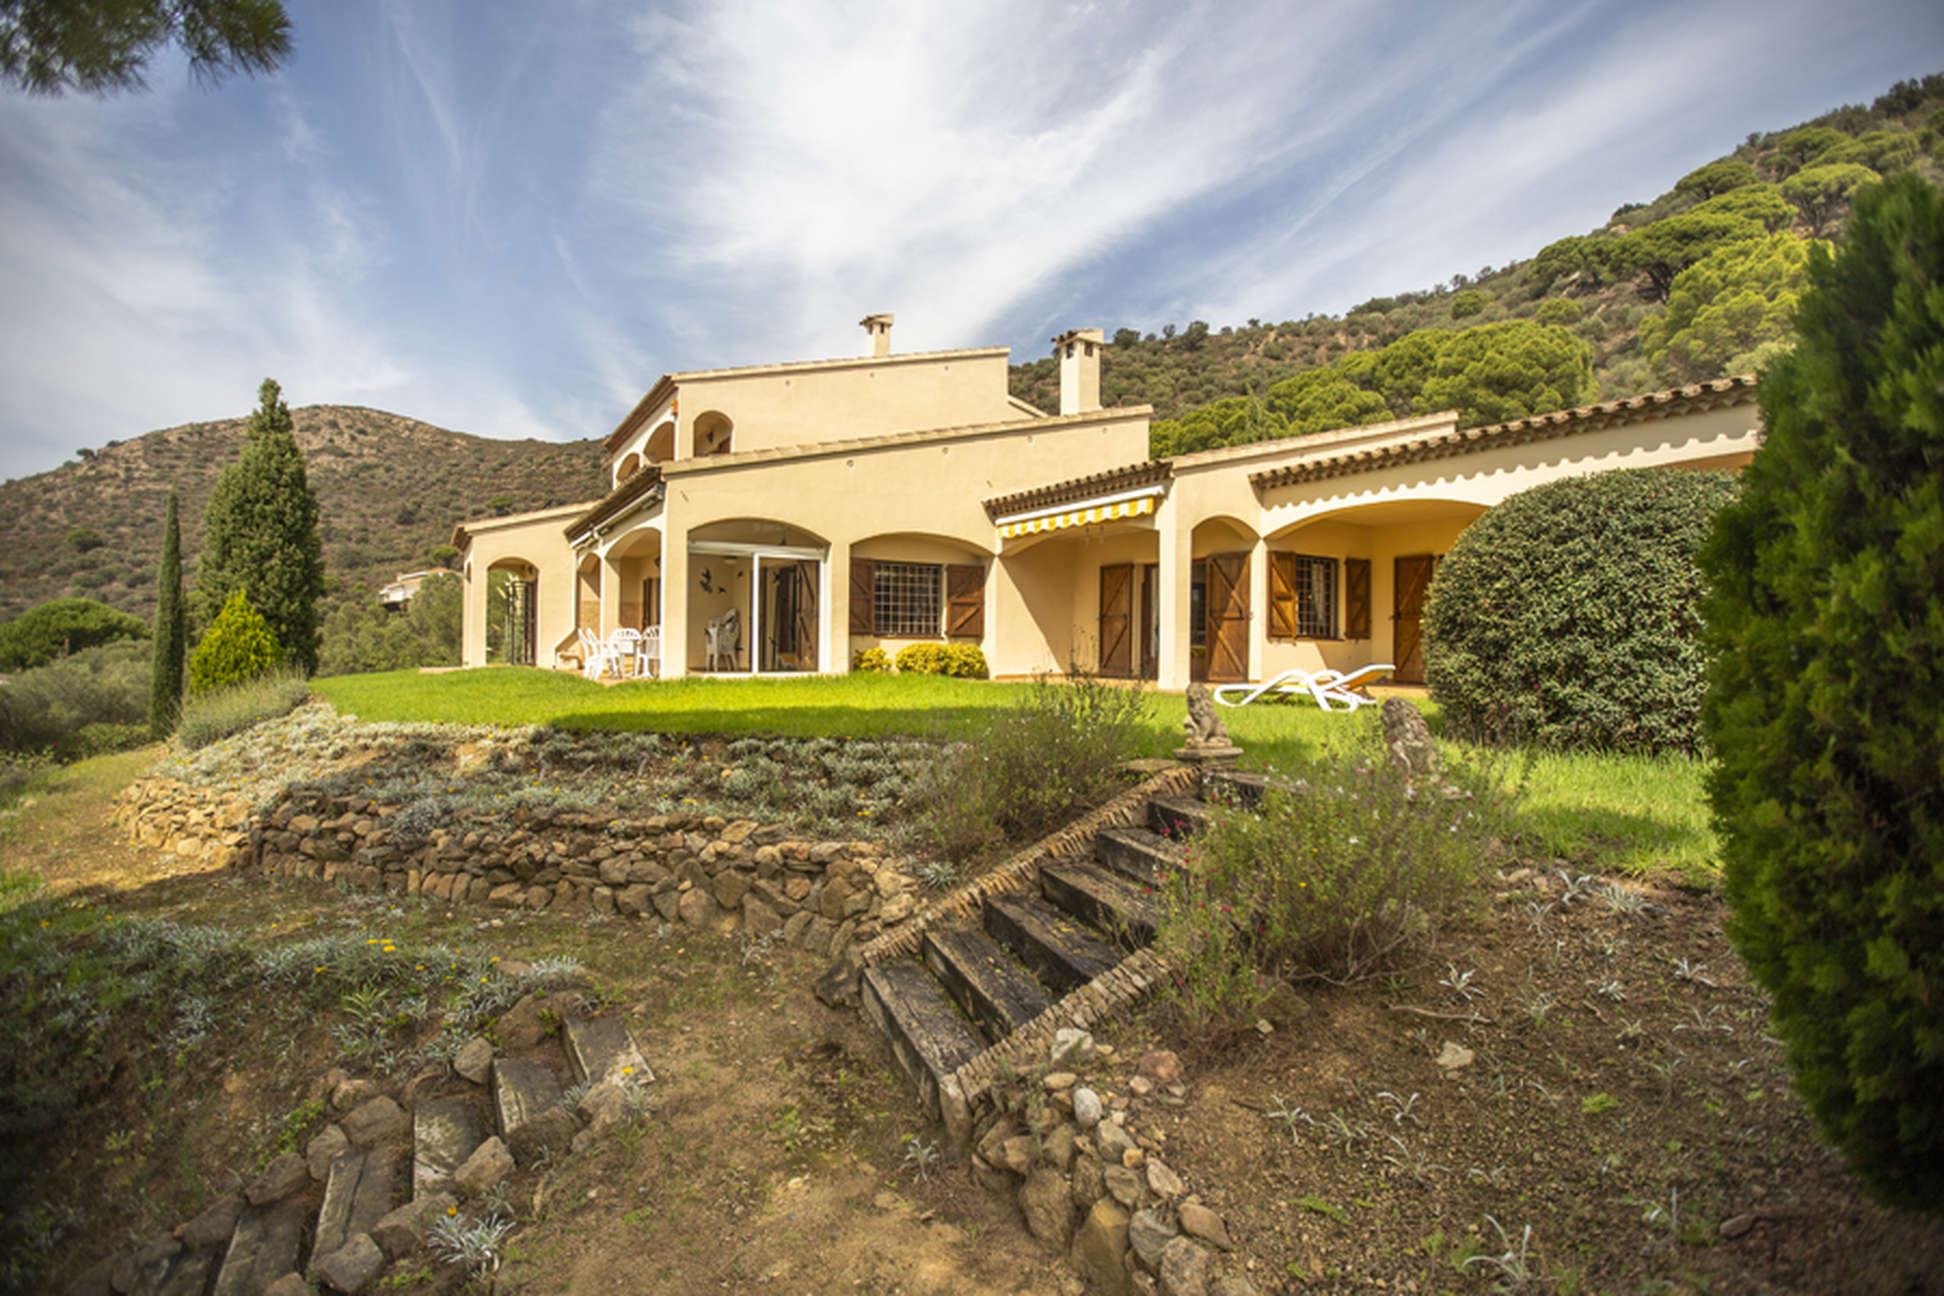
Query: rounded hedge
{"type": "Point", "coordinates": [1826, 700]}
{"type": "Point", "coordinates": [54, 630]}
{"type": "Point", "coordinates": [1570, 615]}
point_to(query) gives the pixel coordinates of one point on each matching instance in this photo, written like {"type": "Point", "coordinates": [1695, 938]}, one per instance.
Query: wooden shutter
{"type": "Point", "coordinates": [863, 585]}
{"type": "Point", "coordinates": [1282, 596]}
{"type": "Point", "coordinates": [1116, 619]}
{"type": "Point", "coordinates": [1228, 617]}
{"type": "Point", "coordinates": [965, 600]}
{"type": "Point", "coordinates": [1356, 598]}
{"type": "Point", "coordinates": [1413, 576]}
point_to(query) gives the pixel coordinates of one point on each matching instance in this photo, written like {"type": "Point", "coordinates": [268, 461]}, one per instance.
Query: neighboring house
{"type": "Point", "coordinates": [397, 594]}
{"type": "Point", "coordinates": [887, 499]}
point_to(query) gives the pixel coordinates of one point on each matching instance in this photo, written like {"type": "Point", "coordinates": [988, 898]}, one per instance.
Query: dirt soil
{"type": "Point", "coordinates": [1622, 1100]}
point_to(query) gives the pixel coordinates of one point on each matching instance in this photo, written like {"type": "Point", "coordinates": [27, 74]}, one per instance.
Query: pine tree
{"type": "Point", "coordinates": [260, 535]}
{"type": "Point", "coordinates": [171, 632]}
{"type": "Point", "coordinates": [1825, 705]}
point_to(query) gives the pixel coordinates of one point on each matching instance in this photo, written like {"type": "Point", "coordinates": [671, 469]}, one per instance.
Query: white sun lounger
{"type": "Point", "coordinates": [1325, 686]}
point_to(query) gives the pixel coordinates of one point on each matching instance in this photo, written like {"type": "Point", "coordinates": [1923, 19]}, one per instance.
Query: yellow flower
{"type": "Point", "coordinates": [320, 967]}
{"type": "Point", "coordinates": [494, 959]}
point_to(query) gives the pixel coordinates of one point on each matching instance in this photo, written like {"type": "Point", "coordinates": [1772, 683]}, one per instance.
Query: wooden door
{"type": "Point", "coordinates": [1150, 621]}
{"type": "Point", "coordinates": [1413, 578]}
{"type": "Point", "coordinates": [1116, 619]}
{"type": "Point", "coordinates": [804, 623]}
{"type": "Point", "coordinates": [1228, 617]}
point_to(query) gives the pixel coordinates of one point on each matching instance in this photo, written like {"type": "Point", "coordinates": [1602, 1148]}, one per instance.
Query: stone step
{"type": "Point", "coordinates": [445, 1131]}
{"type": "Point", "coordinates": [601, 1049]}
{"type": "Point", "coordinates": [526, 1103]}
{"type": "Point", "coordinates": [357, 1193]}
{"type": "Point", "coordinates": [1179, 817]}
{"type": "Point", "coordinates": [1103, 899]}
{"type": "Point", "coordinates": [268, 1243]}
{"type": "Point", "coordinates": [927, 1035]}
{"type": "Point", "coordinates": [1138, 853]}
{"type": "Point", "coordinates": [1234, 787]}
{"type": "Point", "coordinates": [1063, 954]}
{"type": "Point", "coordinates": [986, 982]}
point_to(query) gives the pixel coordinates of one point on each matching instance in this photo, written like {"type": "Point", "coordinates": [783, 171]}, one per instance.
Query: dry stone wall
{"type": "Point", "coordinates": [700, 870]}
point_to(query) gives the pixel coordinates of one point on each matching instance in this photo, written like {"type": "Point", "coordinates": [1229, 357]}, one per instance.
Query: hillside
{"type": "Point", "coordinates": [1746, 215]}
{"type": "Point", "coordinates": [389, 491]}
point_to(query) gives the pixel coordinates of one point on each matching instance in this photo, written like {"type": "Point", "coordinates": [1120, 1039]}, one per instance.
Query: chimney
{"type": "Point", "coordinates": [1079, 352]}
{"type": "Point", "coordinates": [879, 327]}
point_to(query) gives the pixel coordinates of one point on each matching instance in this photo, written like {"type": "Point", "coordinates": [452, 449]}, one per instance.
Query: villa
{"type": "Point", "coordinates": [885, 499]}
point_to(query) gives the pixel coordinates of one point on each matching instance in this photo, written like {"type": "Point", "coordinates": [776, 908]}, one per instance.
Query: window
{"type": "Point", "coordinates": [905, 599]}
{"type": "Point", "coordinates": [1302, 596]}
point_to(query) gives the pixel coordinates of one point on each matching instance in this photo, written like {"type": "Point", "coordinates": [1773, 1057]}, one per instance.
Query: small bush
{"type": "Point", "coordinates": [872, 660]}
{"type": "Point", "coordinates": [1337, 877]}
{"type": "Point", "coordinates": [1057, 749]}
{"type": "Point", "coordinates": [1558, 310]}
{"type": "Point", "coordinates": [51, 707]}
{"type": "Point", "coordinates": [65, 626]}
{"type": "Point", "coordinates": [218, 713]}
{"type": "Point", "coordinates": [238, 648]}
{"type": "Point", "coordinates": [1468, 303]}
{"type": "Point", "coordinates": [1570, 614]}
{"type": "Point", "coordinates": [922, 659]}
{"type": "Point", "coordinates": [965, 661]}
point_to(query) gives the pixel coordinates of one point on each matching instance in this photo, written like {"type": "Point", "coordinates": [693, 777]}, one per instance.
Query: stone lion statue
{"type": "Point", "coordinates": [1203, 726]}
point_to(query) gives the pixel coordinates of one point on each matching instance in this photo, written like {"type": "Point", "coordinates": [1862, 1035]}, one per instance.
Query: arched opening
{"type": "Point", "coordinates": [627, 468]}
{"type": "Point", "coordinates": [757, 596]}
{"type": "Point", "coordinates": [714, 434]}
{"type": "Point", "coordinates": [660, 447]}
{"type": "Point", "coordinates": [1347, 587]}
{"type": "Point", "coordinates": [634, 558]}
{"type": "Point", "coordinates": [512, 612]}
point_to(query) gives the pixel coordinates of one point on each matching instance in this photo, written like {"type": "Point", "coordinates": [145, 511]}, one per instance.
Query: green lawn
{"type": "Point", "coordinates": [1613, 812]}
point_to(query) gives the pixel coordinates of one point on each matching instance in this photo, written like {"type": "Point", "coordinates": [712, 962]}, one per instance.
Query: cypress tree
{"type": "Point", "coordinates": [171, 632]}
{"type": "Point", "coordinates": [1826, 699]}
{"type": "Point", "coordinates": [260, 535]}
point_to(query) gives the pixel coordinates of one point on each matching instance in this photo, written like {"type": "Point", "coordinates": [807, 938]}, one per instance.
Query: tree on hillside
{"type": "Point", "coordinates": [1726, 306]}
{"type": "Point", "coordinates": [260, 534]}
{"type": "Point", "coordinates": [1819, 192]}
{"type": "Point", "coordinates": [1322, 399]}
{"type": "Point", "coordinates": [1664, 249]}
{"type": "Point", "coordinates": [1716, 178]}
{"type": "Point", "coordinates": [55, 630]}
{"type": "Point", "coordinates": [1793, 151]}
{"type": "Point", "coordinates": [171, 632]}
{"type": "Point", "coordinates": [1825, 705]}
{"type": "Point", "coordinates": [1230, 421]}
{"type": "Point", "coordinates": [1507, 371]}
{"type": "Point", "coordinates": [1761, 203]}
{"type": "Point", "coordinates": [49, 47]}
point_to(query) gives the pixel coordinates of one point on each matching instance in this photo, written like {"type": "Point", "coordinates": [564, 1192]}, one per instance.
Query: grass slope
{"type": "Point", "coordinates": [1617, 812]}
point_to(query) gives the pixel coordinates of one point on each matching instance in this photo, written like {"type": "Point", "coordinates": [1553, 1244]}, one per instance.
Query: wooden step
{"type": "Point", "coordinates": [266, 1246]}
{"type": "Point", "coordinates": [985, 981]}
{"type": "Point", "coordinates": [1179, 817]}
{"type": "Point", "coordinates": [1103, 899]}
{"type": "Point", "coordinates": [1138, 854]}
{"type": "Point", "coordinates": [1063, 954]}
{"type": "Point", "coordinates": [526, 1102]}
{"type": "Point", "coordinates": [357, 1194]}
{"type": "Point", "coordinates": [445, 1131]}
{"type": "Point", "coordinates": [927, 1035]}
{"type": "Point", "coordinates": [601, 1049]}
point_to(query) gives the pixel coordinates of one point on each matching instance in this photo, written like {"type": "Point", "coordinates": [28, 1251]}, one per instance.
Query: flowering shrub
{"type": "Point", "coordinates": [872, 660]}
{"type": "Point", "coordinates": [1057, 749]}
{"type": "Point", "coordinates": [1334, 877]}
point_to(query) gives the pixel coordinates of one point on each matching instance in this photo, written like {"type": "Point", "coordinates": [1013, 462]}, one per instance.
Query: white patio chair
{"type": "Point", "coordinates": [648, 652]}
{"type": "Point", "coordinates": [1326, 686]}
{"type": "Point", "coordinates": [626, 643]}
{"type": "Point", "coordinates": [597, 658]}
{"type": "Point", "coordinates": [724, 636]}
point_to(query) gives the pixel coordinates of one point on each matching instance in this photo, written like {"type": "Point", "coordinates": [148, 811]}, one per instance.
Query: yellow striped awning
{"type": "Point", "coordinates": [1086, 515]}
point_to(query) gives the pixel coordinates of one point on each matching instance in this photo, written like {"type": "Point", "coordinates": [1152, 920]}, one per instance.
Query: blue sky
{"type": "Point", "coordinates": [508, 219]}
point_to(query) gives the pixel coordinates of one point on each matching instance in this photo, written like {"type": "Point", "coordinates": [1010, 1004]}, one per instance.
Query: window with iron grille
{"type": "Point", "coordinates": [1316, 596]}
{"type": "Point", "coordinates": [905, 599]}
